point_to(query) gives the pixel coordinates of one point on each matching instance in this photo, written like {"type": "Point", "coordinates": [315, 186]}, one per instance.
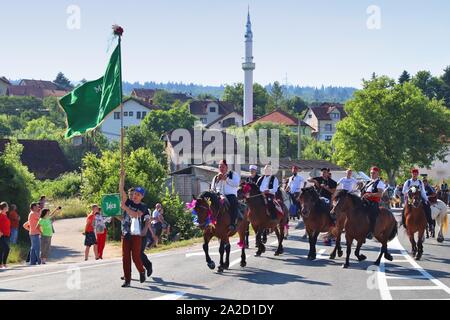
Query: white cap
{"type": "Point", "coordinates": [253, 168]}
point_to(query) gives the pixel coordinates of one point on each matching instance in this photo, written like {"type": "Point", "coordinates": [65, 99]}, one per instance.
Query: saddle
{"type": "Point", "coordinates": [227, 205]}
{"type": "Point", "coordinates": [277, 204]}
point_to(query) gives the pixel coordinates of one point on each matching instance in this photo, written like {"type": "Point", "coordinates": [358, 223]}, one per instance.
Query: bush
{"type": "Point", "coordinates": [101, 175]}
{"type": "Point", "coordinates": [66, 186]}
{"type": "Point", "coordinates": [178, 217]}
{"type": "Point", "coordinates": [71, 208]}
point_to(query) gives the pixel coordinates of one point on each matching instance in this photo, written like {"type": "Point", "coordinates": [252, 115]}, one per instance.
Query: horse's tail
{"type": "Point", "coordinates": [394, 231]}
{"type": "Point", "coordinates": [444, 223]}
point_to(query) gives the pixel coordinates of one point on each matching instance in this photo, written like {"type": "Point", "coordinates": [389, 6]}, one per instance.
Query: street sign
{"type": "Point", "coordinates": [111, 205]}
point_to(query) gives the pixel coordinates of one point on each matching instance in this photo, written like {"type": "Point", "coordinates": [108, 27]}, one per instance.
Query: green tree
{"type": "Point", "coordinates": [163, 99]}
{"type": "Point", "coordinates": [277, 96]}
{"type": "Point", "coordinates": [392, 126]}
{"type": "Point", "coordinates": [430, 86]}
{"type": "Point", "coordinates": [63, 82]}
{"type": "Point", "coordinates": [446, 86]}
{"type": "Point", "coordinates": [404, 77]}
{"type": "Point", "coordinates": [313, 149]}
{"type": "Point", "coordinates": [295, 106]}
{"type": "Point", "coordinates": [101, 174]}
{"type": "Point", "coordinates": [235, 95]}
{"type": "Point", "coordinates": [18, 105]}
{"type": "Point", "coordinates": [55, 113]}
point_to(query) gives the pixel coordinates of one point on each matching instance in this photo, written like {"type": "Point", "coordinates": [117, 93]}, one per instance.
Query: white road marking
{"type": "Point", "coordinates": [385, 289]}
{"type": "Point", "coordinates": [408, 288]}
{"type": "Point", "coordinates": [171, 297]}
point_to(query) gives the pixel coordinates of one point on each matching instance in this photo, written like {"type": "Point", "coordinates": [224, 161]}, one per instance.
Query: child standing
{"type": "Point", "coordinates": [89, 232]}
{"type": "Point", "coordinates": [46, 228]}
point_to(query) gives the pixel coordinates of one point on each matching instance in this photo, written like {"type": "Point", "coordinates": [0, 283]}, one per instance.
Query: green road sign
{"type": "Point", "coordinates": [111, 205]}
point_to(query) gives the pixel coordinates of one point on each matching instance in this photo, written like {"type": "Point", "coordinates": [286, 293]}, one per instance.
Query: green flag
{"type": "Point", "coordinates": [88, 105]}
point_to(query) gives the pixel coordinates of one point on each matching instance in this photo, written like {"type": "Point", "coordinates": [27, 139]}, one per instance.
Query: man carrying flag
{"type": "Point", "coordinates": [86, 108]}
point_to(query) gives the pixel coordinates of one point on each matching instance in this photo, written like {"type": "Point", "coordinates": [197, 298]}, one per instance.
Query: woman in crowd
{"type": "Point", "coordinates": [46, 229]}
{"type": "Point", "coordinates": [101, 231]}
{"type": "Point", "coordinates": [5, 233]}
{"type": "Point", "coordinates": [15, 220]}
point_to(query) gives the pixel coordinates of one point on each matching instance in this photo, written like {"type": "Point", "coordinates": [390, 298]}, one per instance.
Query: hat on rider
{"type": "Point", "coordinates": [253, 168]}
{"type": "Point", "coordinates": [296, 167]}
{"type": "Point", "coordinates": [375, 169]}
{"type": "Point", "coordinates": [413, 171]}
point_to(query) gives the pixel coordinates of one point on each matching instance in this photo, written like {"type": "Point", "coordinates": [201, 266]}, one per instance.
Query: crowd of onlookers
{"type": "Point", "coordinates": [40, 230]}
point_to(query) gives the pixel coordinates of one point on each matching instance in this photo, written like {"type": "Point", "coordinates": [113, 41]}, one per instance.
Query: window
{"type": "Point", "coordinates": [328, 127]}
{"type": "Point", "coordinates": [310, 116]}
{"type": "Point", "coordinates": [204, 121]}
{"type": "Point", "coordinates": [138, 115]}
{"type": "Point", "coordinates": [212, 109]}
{"type": "Point", "coordinates": [144, 114]}
{"type": "Point", "coordinates": [335, 116]}
{"type": "Point", "coordinates": [116, 115]}
{"type": "Point", "coordinates": [328, 138]}
{"type": "Point", "coordinates": [131, 114]}
{"type": "Point", "coordinates": [125, 114]}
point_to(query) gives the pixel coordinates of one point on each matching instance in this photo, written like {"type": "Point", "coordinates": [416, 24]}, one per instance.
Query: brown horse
{"type": "Point", "coordinates": [357, 225]}
{"type": "Point", "coordinates": [316, 216]}
{"type": "Point", "coordinates": [214, 220]}
{"type": "Point", "coordinates": [415, 221]}
{"type": "Point", "coordinates": [261, 220]}
{"type": "Point", "coordinates": [443, 196]}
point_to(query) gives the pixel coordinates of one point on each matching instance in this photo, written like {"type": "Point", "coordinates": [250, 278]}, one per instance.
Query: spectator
{"type": "Point", "coordinates": [5, 233]}
{"type": "Point", "coordinates": [101, 231]}
{"type": "Point", "coordinates": [42, 202]}
{"type": "Point", "coordinates": [45, 227]}
{"type": "Point", "coordinates": [15, 219]}
{"type": "Point", "coordinates": [32, 227]}
{"type": "Point", "coordinates": [89, 233]}
{"type": "Point", "coordinates": [157, 223]}
{"type": "Point", "coordinates": [348, 183]}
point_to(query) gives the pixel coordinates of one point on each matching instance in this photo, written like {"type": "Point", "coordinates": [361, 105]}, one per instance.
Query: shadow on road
{"type": "Point", "coordinates": [269, 277]}
{"type": "Point", "coordinates": [57, 253]}
{"type": "Point", "coordinates": [11, 290]}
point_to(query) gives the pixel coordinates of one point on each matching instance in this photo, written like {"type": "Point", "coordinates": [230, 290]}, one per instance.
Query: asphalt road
{"type": "Point", "coordinates": [183, 274]}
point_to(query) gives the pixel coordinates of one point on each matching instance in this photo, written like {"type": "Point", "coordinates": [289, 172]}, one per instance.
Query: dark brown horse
{"type": "Point", "coordinates": [415, 221]}
{"type": "Point", "coordinates": [261, 220]}
{"type": "Point", "coordinates": [357, 225]}
{"type": "Point", "coordinates": [316, 216]}
{"type": "Point", "coordinates": [214, 220]}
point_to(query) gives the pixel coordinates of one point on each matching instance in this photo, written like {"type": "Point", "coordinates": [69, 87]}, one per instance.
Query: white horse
{"type": "Point", "coordinates": [439, 214]}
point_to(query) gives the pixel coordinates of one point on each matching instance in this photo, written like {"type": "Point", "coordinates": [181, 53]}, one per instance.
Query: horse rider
{"type": "Point", "coordinates": [371, 195]}
{"type": "Point", "coordinates": [348, 182]}
{"type": "Point", "coordinates": [295, 184]}
{"type": "Point", "coordinates": [324, 184]}
{"type": "Point", "coordinates": [254, 176]}
{"type": "Point", "coordinates": [416, 182]}
{"type": "Point", "coordinates": [428, 188]}
{"type": "Point", "coordinates": [268, 184]}
{"type": "Point", "coordinates": [227, 183]}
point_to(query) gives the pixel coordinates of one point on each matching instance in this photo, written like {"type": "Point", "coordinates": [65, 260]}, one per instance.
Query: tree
{"type": "Point", "coordinates": [430, 86]}
{"type": "Point", "coordinates": [313, 149]}
{"type": "Point", "coordinates": [163, 99]}
{"type": "Point", "coordinates": [235, 95]}
{"type": "Point", "coordinates": [101, 174]}
{"type": "Point", "coordinates": [446, 86]}
{"type": "Point", "coordinates": [63, 82]}
{"type": "Point", "coordinates": [55, 113]}
{"type": "Point", "coordinates": [206, 96]}
{"type": "Point", "coordinates": [295, 105]}
{"type": "Point", "coordinates": [276, 95]}
{"type": "Point", "coordinates": [392, 126]}
{"type": "Point", "coordinates": [405, 77]}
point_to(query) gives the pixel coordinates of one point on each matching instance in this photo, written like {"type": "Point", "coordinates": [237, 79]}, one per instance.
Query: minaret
{"type": "Point", "coordinates": [248, 66]}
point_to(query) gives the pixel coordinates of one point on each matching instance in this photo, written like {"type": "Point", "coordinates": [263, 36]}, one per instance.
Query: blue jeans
{"type": "Point", "coordinates": [35, 251]}
{"type": "Point", "coordinates": [14, 235]}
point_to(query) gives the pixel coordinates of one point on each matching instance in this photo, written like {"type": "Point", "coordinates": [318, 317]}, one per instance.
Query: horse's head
{"type": "Point", "coordinates": [341, 201]}
{"type": "Point", "coordinates": [203, 208]}
{"type": "Point", "coordinates": [308, 199]}
{"type": "Point", "coordinates": [249, 190]}
{"type": "Point", "coordinates": [414, 196]}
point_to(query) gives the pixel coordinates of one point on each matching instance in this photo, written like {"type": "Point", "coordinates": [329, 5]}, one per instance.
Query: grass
{"type": "Point", "coordinates": [71, 208]}
{"type": "Point", "coordinates": [18, 253]}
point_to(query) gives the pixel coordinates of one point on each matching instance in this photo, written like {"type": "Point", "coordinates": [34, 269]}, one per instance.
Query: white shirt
{"type": "Point", "coordinates": [411, 183]}
{"type": "Point", "coordinates": [348, 183]}
{"type": "Point", "coordinates": [380, 185]}
{"type": "Point", "coordinates": [228, 187]}
{"type": "Point", "coordinates": [296, 183]}
{"type": "Point", "coordinates": [265, 185]}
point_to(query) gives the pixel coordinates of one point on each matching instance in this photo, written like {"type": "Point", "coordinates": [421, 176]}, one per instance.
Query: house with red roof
{"type": "Point", "coordinates": [281, 117]}
{"type": "Point", "coordinates": [324, 118]}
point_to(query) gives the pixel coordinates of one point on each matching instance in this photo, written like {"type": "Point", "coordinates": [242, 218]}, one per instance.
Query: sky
{"type": "Point", "coordinates": [303, 42]}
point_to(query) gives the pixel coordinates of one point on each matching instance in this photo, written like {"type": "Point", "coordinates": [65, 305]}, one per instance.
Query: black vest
{"type": "Point", "coordinates": [370, 183]}
{"type": "Point", "coordinates": [271, 182]}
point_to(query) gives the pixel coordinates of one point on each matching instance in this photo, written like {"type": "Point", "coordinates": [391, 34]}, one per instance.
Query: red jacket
{"type": "Point", "coordinates": [5, 225]}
